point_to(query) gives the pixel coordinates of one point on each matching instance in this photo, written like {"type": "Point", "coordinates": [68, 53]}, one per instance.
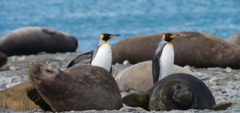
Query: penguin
{"type": "Point", "coordinates": [163, 59]}
{"type": "Point", "coordinates": [101, 56]}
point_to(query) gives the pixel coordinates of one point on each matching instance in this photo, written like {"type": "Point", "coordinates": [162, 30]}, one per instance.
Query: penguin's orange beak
{"type": "Point", "coordinates": [114, 35]}
{"type": "Point", "coordinates": [173, 36]}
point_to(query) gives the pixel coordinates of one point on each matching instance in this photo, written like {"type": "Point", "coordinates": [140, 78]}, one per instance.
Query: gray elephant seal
{"type": "Point", "coordinates": [80, 87]}
{"type": "Point", "coordinates": [32, 40]}
{"type": "Point", "coordinates": [15, 98]}
{"type": "Point", "coordinates": [176, 91]}
{"type": "Point", "coordinates": [191, 48]}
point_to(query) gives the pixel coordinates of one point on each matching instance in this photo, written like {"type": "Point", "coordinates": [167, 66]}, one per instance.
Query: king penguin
{"type": "Point", "coordinates": [164, 58]}
{"type": "Point", "coordinates": [101, 56]}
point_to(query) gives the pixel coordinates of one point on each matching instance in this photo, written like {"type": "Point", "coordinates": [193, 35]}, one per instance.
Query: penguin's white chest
{"type": "Point", "coordinates": [166, 61]}
{"type": "Point", "coordinates": [103, 57]}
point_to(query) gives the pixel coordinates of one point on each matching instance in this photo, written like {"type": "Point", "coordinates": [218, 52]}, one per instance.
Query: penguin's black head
{"type": "Point", "coordinates": [106, 36]}
{"type": "Point", "coordinates": [168, 37]}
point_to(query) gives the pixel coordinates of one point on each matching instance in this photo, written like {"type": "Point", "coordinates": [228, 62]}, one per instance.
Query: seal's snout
{"type": "Point", "coordinates": [34, 69]}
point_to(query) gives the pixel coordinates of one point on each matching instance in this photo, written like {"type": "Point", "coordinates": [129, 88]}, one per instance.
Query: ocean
{"type": "Point", "coordinates": [87, 19]}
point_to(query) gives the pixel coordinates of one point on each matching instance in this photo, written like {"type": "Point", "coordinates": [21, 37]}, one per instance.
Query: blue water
{"type": "Point", "coordinates": [87, 19]}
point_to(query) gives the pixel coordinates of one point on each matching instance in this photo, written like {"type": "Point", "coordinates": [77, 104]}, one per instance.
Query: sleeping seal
{"type": "Point", "coordinates": [32, 40]}
{"type": "Point", "coordinates": [81, 87]}
{"type": "Point", "coordinates": [191, 48]}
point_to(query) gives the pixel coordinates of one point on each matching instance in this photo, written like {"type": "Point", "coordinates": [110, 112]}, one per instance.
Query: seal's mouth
{"type": "Point", "coordinates": [183, 98]}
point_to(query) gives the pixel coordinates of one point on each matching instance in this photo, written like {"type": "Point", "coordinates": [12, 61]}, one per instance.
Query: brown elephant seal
{"type": "Point", "coordinates": [139, 76]}
{"type": "Point", "coordinates": [235, 39]}
{"type": "Point", "coordinates": [176, 91]}
{"type": "Point", "coordinates": [15, 98]}
{"type": "Point", "coordinates": [32, 40]}
{"type": "Point", "coordinates": [81, 87]}
{"type": "Point", "coordinates": [191, 48]}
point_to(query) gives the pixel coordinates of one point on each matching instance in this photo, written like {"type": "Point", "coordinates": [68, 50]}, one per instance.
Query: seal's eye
{"type": "Point", "coordinates": [49, 71]}
{"type": "Point", "coordinates": [178, 87]}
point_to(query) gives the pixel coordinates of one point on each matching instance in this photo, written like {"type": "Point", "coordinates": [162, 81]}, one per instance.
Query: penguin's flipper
{"type": "Point", "coordinates": [155, 68]}
{"type": "Point", "coordinates": [81, 58]}
{"type": "Point", "coordinates": [156, 62]}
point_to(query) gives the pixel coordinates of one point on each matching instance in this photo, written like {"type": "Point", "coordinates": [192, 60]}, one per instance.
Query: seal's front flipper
{"type": "Point", "coordinates": [136, 100]}
{"type": "Point", "coordinates": [33, 95]}
{"type": "Point", "coordinates": [222, 106]}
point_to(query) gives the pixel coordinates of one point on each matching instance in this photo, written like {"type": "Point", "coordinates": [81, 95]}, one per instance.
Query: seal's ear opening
{"type": "Point", "coordinates": [136, 100]}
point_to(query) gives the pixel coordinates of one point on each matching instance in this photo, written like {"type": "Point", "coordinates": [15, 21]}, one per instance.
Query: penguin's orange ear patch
{"type": "Point", "coordinates": [101, 36]}
{"type": "Point", "coordinates": [163, 36]}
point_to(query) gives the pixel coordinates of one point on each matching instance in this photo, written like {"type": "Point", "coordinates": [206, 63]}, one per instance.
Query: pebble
{"type": "Point", "coordinates": [236, 76]}
{"type": "Point", "coordinates": [216, 88]}
{"type": "Point", "coordinates": [187, 67]}
{"type": "Point", "coordinates": [214, 79]}
{"type": "Point", "coordinates": [228, 70]}
{"type": "Point", "coordinates": [13, 68]}
{"type": "Point", "coordinates": [126, 62]}
{"type": "Point", "coordinates": [16, 79]}
{"type": "Point", "coordinates": [21, 58]}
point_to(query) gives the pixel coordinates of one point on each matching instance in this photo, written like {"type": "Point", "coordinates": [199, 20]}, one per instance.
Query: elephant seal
{"type": "Point", "coordinates": [191, 48]}
{"type": "Point", "coordinates": [235, 39]}
{"type": "Point", "coordinates": [176, 91]}
{"type": "Point", "coordinates": [139, 76]}
{"type": "Point", "coordinates": [81, 87]}
{"type": "Point", "coordinates": [32, 40]}
{"type": "Point", "coordinates": [15, 98]}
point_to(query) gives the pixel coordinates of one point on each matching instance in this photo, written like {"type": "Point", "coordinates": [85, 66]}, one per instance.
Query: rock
{"type": "Point", "coordinates": [216, 88]}
{"type": "Point", "coordinates": [228, 70]}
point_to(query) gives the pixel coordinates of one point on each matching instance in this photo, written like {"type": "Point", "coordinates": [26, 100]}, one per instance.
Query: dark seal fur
{"type": "Point", "coordinates": [32, 40]}
{"type": "Point", "coordinates": [80, 87]}
{"type": "Point", "coordinates": [3, 58]}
